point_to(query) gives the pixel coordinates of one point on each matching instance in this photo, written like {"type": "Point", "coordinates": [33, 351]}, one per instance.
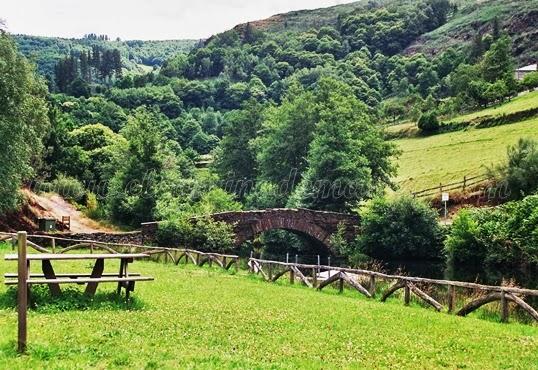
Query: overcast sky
{"type": "Point", "coordinates": [142, 19]}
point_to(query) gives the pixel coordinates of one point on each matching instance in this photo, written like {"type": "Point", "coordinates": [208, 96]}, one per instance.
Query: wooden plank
{"type": "Point", "coordinates": [97, 273]}
{"type": "Point", "coordinates": [477, 303]}
{"type": "Point", "coordinates": [301, 277]}
{"type": "Point", "coordinates": [355, 284]}
{"type": "Point", "coordinates": [425, 297]}
{"type": "Point", "coordinates": [57, 257]}
{"type": "Point", "coordinates": [524, 305]}
{"type": "Point", "coordinates": [72, 275]}
{"type": "Point", "coordinates": [279, 275]}
{"type": "Point", "coordinates": [329, 281]}
{"type": "Point", "coordinates": [399, 285]}
{"type": "Point", "coordinates": [48, 271]}
{"type": "Point", "coordinates": [82, 280]}
{"type": "Point", "coordinates": [22, 293]}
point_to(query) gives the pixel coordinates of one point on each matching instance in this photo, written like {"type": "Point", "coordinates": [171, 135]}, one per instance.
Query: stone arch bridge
{"type": "Point", "coordinates": [319, 225]}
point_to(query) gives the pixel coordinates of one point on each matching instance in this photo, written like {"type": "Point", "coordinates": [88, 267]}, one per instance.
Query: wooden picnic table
{"type": "Point", "coordinates": [92, 280]}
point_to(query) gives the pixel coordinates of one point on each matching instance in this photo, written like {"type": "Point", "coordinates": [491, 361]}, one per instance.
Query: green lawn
{"type": "Point", "coordinates": [192, 317]}
{"type": "Point", "coordinates": [427, 161]}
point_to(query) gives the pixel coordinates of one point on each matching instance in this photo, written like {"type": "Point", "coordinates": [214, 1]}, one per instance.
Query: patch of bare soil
{"type": "Point", "coordinates": [51, 206]}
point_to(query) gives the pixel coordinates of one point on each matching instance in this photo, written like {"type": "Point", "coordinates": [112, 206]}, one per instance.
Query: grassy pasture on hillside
{"type": "Point", "coordinates": [204, 318]}
{"type": "Point", "coordinates": [427, 161]}
{"type": "Point", "coordinates": [521, 103]}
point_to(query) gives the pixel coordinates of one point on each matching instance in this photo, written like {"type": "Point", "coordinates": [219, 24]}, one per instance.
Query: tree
{"type": "Point", "coordinates": [498, 62]}
{"type": "Point", "coordinates": [428, 122]}
{"type": "Point", "coordinates": [286, 133]}
{"type": "Point", "coordinates": [142, 167]}
{"type": "Point", "coordinates": [23, 121]}
{"type": "Point", "coordinates": [496, 29]}
{"type": "Point", "coordinates": [400, 228]}
{"type": "Point", "coordinates": [530, 81]}
{"type": "Point", "coordinates": [392, 108]}
{"type": "Point", "coordinates": [520, 171]}
{"type": "Point", "coordinates": [235, 160]}
{"type": "Point", "coordinates": [348, 159]}
{"type": "Point", "coordinates": [477, 48]}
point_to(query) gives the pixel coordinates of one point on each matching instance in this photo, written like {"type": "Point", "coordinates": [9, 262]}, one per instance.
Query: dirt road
{"type": "Point", "coordinates": [55, 206]}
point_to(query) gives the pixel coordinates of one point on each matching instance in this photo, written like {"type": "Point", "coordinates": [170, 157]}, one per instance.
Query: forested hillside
{"type": "Point", "coordinates": [47, 51]}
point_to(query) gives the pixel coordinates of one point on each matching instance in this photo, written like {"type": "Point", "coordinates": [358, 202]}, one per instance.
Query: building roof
{"type": "Point", "coordinates": [529, 68]}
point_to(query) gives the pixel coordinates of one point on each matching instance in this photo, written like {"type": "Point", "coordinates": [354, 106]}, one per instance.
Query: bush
{"type": "Point", "coordinates": [530, 81]}
{"type": "Point", "coordinates": [428, 122]}
{"type": "Point", "coordinates": [201, 233]}
{"type": "Point", "coordinates": [69, 188]}
{"type": "Point", "coordinates": [399, 228]}
{"type": "Point", "coordinates": [93, 210]}
{"type": "Point", "coordinates": [506, 235]}
{"type": "Point", "coordinates": [520, 172]}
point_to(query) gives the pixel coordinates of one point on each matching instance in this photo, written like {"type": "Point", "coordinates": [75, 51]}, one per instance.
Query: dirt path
{"type": "Point", "coordinates": [55, 206]}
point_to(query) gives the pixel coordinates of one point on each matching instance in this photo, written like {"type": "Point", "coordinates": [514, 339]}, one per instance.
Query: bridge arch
{"type": "Point", "coordinates": [319, 225]}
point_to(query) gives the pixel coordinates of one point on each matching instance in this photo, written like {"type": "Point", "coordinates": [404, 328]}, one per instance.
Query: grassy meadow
{"type": "Point", "coordinates": [427, 161]}
{"type": "Point", "coordinates": [193, 317]}
{"type": "Point", "coordinates": [521, 103]}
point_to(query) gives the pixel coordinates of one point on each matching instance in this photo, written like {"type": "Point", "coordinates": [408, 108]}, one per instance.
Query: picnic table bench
{"type": "Point", "coordinates": [124, 278]}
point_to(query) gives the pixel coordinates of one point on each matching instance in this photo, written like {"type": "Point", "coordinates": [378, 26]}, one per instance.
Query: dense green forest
{"type": "Point", "coordinates": [46, 52]}
{"type": "Point", "coordinates": [290, 118]}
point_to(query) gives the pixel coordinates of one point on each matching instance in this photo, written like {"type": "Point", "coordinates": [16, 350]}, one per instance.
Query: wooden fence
{"type": "Point", "coordinates": [466, 184]}
{"type": "Point", "coordinates": [363, 281]}
{"type": "Point", "coordinates": [173, 255]}
{"type": "Point", "coordinates": [310, 275]}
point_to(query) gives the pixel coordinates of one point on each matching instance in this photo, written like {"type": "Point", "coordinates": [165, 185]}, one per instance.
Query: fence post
{"type": "Point", "coordinates": [287, 258]}
{"type": "Point", "coordinates": [372, 285]}
{"type": "Point", "coordinates": [296, 259]}
{"type": "Point", "coordinates": [504, 307]}
{"type": "Point", "coordinates": [53, 245]}
{"type": "Point", "coordinates": [451, 298]}
{"type": "Point", "coordinates": [292, 276]}
{"type": "Point", "coordinates": [464, 182]}
{"type": "Point", "coordinates": [22, 291]}
{"type": "Point", "coordinates": [407, 294]}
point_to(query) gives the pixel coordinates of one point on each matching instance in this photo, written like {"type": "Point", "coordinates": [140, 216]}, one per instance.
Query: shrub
{"type": "Point", "coordinates": [428, 122]}
{"type": "Point", "coordinates": [530, 81]}
{"type": "Point", "coordinates": [520, 172]}
{"type": "Point", "coordinates": [69, 188]}
{"type": "Point", "coordinates": [399, 228]}
{"type": "Point", "coordinates": [461, 244]}
{"type": "Point", "coordinates": [505, 235]}
{"type": "Point", "coordinates": [201, 233]}
{"type": "Point", "coordinates": [93, 210]}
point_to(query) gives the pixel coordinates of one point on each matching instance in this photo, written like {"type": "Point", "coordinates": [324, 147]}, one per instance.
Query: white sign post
{"type": "Point", "coordinates": [444, 198]}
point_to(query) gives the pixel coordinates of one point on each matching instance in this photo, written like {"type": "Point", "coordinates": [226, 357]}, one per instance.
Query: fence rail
{"type": "Point", "coordinates": [320, 276]}
{"type": "Point", "coordinates": [174, 255]}
{"type": "Point", "coordinates": [466, 184]}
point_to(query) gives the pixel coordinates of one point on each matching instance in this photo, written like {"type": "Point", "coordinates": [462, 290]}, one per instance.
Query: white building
{"type": "Point", "coordinates": [523, 71]}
